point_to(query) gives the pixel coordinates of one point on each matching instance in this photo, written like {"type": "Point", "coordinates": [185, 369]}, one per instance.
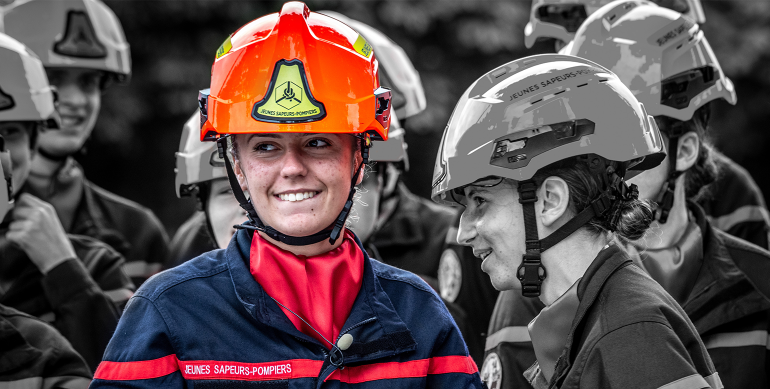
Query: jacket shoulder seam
{"type": "Point", "coordinates": [157, 292]}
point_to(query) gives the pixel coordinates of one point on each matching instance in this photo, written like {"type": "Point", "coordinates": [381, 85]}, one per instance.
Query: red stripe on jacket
{"type": "Point", "coordinates": [279, 370]}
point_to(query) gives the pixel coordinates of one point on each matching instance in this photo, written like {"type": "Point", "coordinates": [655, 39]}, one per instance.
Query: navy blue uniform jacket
{"type": "Point", "coordinates": [209, 324]}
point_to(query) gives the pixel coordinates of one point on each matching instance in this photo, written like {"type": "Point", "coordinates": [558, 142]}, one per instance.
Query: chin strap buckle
{"type": "Point", "coordinates": [531, 273]}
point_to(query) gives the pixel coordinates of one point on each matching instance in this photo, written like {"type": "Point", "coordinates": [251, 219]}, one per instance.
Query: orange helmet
{"type": "Point", "coordinates": [295, 71]}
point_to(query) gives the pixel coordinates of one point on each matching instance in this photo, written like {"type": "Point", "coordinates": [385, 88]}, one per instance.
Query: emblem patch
{"type": "Point", "coordinates": [450, 275]}
{"type": "Point", "coordinates": [362, 47]}
{"type": "Point", "coordinates": [6, 101]}
{"type": "Point", "coordinates": [225, 48]}
{"type": "Point", "coordinates": [288, 98]}
{"type": "Point", "coordinates": [80, 38]}
{"type": "Point", "coordinates": [492, 371]}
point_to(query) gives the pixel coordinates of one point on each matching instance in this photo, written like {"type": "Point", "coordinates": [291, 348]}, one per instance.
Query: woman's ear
{"type": "Point", "coordinates": [555, 196]}
{"type": "Point", "coordinates": [688, 150]}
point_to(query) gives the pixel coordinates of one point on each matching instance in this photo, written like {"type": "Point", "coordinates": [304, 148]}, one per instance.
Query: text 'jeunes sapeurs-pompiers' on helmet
{"type": "Point", "coordinates": [295, 71]}
{"type": "Point", "coordinates": [71, 34]}
{"type": "Point", "coordinates": [536, 111]}
{"type": "Point", "coordinates": [560, 19]}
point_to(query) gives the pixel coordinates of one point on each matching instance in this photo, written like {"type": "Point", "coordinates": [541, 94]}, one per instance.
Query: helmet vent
{"type": "Point", "coordinates": [537, 101]}
{"type": "Point", "coordinates": [559, 92]}
{"type": "Point", "coordinates": [582, 85]}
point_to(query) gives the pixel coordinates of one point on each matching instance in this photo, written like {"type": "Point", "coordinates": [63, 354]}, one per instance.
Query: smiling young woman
{"type": "Point", "coordinates": [294, 104]}
{"type": "Point", "coordinates": [553, 164]}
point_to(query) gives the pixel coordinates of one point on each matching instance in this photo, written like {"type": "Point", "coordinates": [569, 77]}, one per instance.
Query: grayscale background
{"type": "Point", "coordinates": [451, 43]}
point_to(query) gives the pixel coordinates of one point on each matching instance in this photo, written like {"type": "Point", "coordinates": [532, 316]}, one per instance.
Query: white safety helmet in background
{"type": "Point", "coordinates": [399, 75]}
{"type": "Point", "coordinates": [196, 161]}
{"type": "Point", "coordinates": [71, 34]}
{"type": "Point", "coordinates": [659, 54]}
{"type": "Point", "coordinates": [560, 19]}
{"type": "Point", "coordinates": [25, 95]}
{"type": "Point", "coordinates": [397, 72]}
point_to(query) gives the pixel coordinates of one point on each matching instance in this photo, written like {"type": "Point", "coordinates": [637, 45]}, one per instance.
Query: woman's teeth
{"type": "Point", "coordinates": [296, 196]}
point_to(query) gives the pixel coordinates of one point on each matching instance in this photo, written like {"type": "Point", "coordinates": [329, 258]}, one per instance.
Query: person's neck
{"type": "Point", "coordinates": [668, 234]}
{"type": "Point", "coordinates": [310, 250]}
{"type": "Point", "coordinates": [43, 166]}
{"type": "Point", "coordinates": [567, 261]}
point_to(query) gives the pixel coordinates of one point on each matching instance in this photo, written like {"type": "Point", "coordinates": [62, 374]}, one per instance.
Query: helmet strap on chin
{"type": "Point", "coordinates": [255, 224]}
{"type": "Point", "coordinates": [531, 271]}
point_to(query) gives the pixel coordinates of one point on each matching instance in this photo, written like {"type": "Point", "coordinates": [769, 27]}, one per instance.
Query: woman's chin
{"type": "Point", "coordinates": [300, 225]}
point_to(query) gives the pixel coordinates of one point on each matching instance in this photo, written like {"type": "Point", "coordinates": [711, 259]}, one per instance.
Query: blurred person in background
{"type": "Point", "coordinates": [295, 100]}
{"type": "Point", "coordinates": [539, 147]}
{"type": "Point", "coordinates": [720, 281]}
{"type": "Point", "coordinates": [74, 282]}
{"type": "Point", "coordinates": [200, 172]}
{"type": "Point", "coordinates": [84, 51]}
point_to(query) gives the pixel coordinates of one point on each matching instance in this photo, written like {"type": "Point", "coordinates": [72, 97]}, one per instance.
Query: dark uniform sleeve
{"type": "Point", "coordinates": [736, 205]}
{"type": "Point", "coordinates": [450, 365]}
{"type": "Point", "coordinates": [509, 351]}
{"type": "Point", "coordinates": [140, 354]}
{"type": "Point", "coordinates": [86, 296]}
{"type": "Point", "coordinates": [646, 355]}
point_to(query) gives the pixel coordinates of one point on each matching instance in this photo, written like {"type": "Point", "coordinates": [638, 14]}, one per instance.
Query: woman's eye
{"type": "Point", "coordinates": [318, 143]}
{"type": "Point", "coordinates": [478, 200]}
{"type": "Point", "coordinates": [264, 147]}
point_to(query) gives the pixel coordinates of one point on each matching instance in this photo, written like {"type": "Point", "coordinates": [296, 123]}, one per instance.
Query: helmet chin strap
{"type": "Point", "coordinates": [665, 199]}
{"type": "Point", "coordinates": [531, 271]}
{"type": "Point", "coordinates": [332, 232]}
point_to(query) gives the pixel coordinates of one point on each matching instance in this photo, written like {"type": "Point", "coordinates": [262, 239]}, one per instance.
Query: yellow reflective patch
{"type": "Point", "coordinates": [287, 99]}
{"type": "Point", "coordinates": [225, 48]}
{"type": "Point", "coordinates": [362, 46]}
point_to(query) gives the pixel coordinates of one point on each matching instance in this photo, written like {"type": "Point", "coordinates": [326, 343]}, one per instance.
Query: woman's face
{"type": "Point", "coordinates": [298, 183]}
{"type": "Point", "coordinates": [492, 224]}
{"type": "Point", "coordinates": [223, 211]}
{"type": "Point", "coordinates": [650, 182]}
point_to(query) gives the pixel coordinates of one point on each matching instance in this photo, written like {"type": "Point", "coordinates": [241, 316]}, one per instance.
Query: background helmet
{"type": "Point", "coordinates": [25, 94]}
{"type": "Point", "coordinates": [538, 110]}
{"type": "Point", "coordinates": [196, 161]}
{"type": "Point", "coordinates": [295, 71]}
{"type": "Point", "coordinates": [661, 55]}
{"type": "Point", "coordinates": [71, 34]}
{"type": "Point", "coordinates": [398, 74]}
{"type": "Point", "coordinates": [560, 19]}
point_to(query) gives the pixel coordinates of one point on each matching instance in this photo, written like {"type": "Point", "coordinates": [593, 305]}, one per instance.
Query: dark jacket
{"type": "Point", "coordinates": [728, 306]}
{"type": "Point", "coordinates": [191, 239]}
{"type": "Point", "coordinates": [34, 355]}
{"type": "Point", "coordinates": [131, 229]}
{"type": "Point", "coordinates": [628, 333]}
{"type": "Point", "coordinates": [81, 297]}
{"type": "Point", "coordinates": [735, 204]}
{"type": "Point", "coordinates": [208, 323]}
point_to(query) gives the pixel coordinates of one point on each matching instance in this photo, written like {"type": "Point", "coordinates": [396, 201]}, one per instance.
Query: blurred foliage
{"type": "Point", "coordinates": [451, 42]}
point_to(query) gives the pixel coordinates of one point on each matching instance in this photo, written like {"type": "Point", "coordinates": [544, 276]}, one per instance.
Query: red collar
{"type": "Point", "coordinates": [321, 289]}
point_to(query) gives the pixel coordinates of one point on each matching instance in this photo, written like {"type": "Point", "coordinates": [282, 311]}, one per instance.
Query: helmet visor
{"type": "Point", "coordinates": [569, 16]}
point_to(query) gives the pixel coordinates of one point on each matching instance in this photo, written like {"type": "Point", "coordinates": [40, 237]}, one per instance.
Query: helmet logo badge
{"type": "Point", "coordinates": [80, 38]}
{"type": "Point", "coordinates": [6, 101]}
{"type": "Point", "coordinates": [288, 98]}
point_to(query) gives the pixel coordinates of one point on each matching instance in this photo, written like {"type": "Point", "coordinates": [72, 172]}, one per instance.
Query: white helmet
{"type": "Point", "coordinates": [397, 72]}
{"type": "Point", "coordinates": [25, 94]}
{"type": "Point", "coordinates": [72, 34]}
{"type": "Point", "coordinates": [560, 19]}
{"type": "Point", "coordinates": [659, 54]}
{"type": "Point", "coordinates": [196, 161]}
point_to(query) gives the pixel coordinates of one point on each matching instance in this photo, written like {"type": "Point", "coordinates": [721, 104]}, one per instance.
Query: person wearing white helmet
{"type": "Point", "coordinates": [685, 79]}
{"type": "Point", "coordinates": [74, 282]}
{"type": "Point", "coordinates": [200, 172]}
{"type": "Point", "coordinates": [558, 20]}
{"type": "Point", "coordinates": [84, 50]}
{"type": "Point", "coordinates": [537, 151]}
